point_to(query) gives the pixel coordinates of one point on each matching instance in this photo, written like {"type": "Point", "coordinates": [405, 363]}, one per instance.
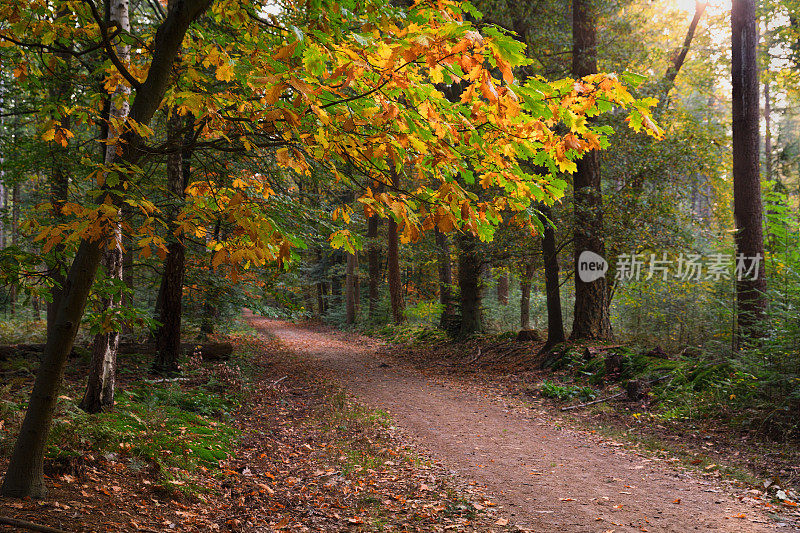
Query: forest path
{"type": "Point", "coordinates": [546, 477]}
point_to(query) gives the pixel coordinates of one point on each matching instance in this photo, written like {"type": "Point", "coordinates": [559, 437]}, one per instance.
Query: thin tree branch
{"type": "Point", "coordinates": [107, 44]}
{"type": "Point", "coordinates": [24, 524]}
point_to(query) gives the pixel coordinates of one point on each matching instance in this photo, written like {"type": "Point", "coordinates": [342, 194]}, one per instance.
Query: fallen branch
{"type": "Point", "coordinates": [600, 400]}
{"type": "Point", "coordinates": [165, 380]}
{"type": "Point", "coordinates": [29, 525]}
{"type": "Point", "coordinates": [617, 395]}
{"type": "Point", "coordinates": [475, 358]}
{"type": "Point", "coordinates": [278, 381]}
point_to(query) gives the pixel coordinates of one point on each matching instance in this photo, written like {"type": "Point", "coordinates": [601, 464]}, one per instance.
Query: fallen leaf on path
{"type": "Point", "coordinates": [501, 522]}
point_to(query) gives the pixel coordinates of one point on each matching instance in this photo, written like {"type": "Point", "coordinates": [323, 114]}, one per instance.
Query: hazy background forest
{"type": "Point", "coordinates": [426, 174]}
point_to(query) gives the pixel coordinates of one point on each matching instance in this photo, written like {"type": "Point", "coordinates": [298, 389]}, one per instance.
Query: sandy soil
{"type": "Point", "coordinates": [548, 478]}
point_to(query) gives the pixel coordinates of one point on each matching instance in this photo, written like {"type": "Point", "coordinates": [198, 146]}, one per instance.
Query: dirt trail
{"type": "Point", "coordinates": [547, 479]}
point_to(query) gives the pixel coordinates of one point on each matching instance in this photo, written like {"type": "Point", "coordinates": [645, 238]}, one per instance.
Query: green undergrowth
{"type": "Point", "coordinates": [175, 430]}
{"type": "Point", "coordinates": [411, 334]}
{"type": "Point", "coordinates": [429, 335]}
{"type": "Point", "coordinates": [694, 385]}
{"type": "Point", "coordinates": [550, 389]}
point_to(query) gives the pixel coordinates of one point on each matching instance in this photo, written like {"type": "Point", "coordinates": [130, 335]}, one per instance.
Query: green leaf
{"type": "Point", "coordinates": [633, 79]}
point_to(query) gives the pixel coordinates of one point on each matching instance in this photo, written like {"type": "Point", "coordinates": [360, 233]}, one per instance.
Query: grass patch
{"type": "Point", "coordinates": [176, 431]}
{"type": "Point", "coordinates": [419, 335]}
{"type": "Point", "coordinates": [557, 391]}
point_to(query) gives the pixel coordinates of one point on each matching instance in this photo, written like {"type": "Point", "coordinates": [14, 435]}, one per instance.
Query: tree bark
{"type": "Point", "coordinates": [15, 199]}
{"type": "Point", "coordinates": [322, 289]}
{"type": "Point", "coordinates": [351, 279]}
{"type": "Point", "coordinates": [393, 267]}
{"type": "Point", "coordinates": [25, 474]}
{"type": "Point", "coordinates": [768, 174]}
{"type": "Point", "coordinates": [100, 385]}
{"type": "Point", "coordinates": [555, 320]}
{"type": "Point", "coordinates": [336, 280]}
{"type": "Point", "coordinates": [525, 298]}
{"type": "Point", "coordinates": [374, 260]}
{"type": "Point", "coordinates": [679, 56]}
{"type": "Point", "coordinates": [502, 287]}
{"type": "Point", "coordinates": [591, 318]}
{"type": "Point", "coordinates": [168, 334]}
{"type": "Point", "coordinates": [322, 295]}
{"type": "Point", "coordinates": [445, 279]}
{"type": "Point", "coordinates": [469, 281]}
{"type": "Point", "coordinates": [101, 382]}
{"type": "Point", "coordinates": [747, 208]}
{"type": "Point", "coordinates": [3, 204]}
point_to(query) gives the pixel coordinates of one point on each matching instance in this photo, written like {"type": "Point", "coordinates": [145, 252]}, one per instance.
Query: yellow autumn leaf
{"type": "Point", "coordinates": [225, 72]}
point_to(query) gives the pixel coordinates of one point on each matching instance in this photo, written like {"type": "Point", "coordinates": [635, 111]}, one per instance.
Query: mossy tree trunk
{"type": "Point", "coordinates": [25, 473]}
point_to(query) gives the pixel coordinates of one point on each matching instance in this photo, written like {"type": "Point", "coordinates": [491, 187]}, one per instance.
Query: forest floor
{"type": "Point", "coordinates": [308, 429]}
{"type": "Point", "coordinates": [260, 443]}
{"type": "Point", "coordinates": [547, 472]}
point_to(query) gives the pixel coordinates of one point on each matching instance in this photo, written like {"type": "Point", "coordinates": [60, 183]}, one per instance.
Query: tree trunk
{"type": "Point", "coordinates": [525, 298]}
{"type": "Point", "coordinates": [679, 55]}
{"type": "Point", "coordinates": [555, 321]}
{"type": "Point", "coordinates": [351, 279]}
{"type": "Point", "coordinates": [99, 394]}
{"type": "Point", "coordinates": [374, 260]}
{"type": "Point", "coordinates": [502, 287]}
{"type": "Point", "coordinates": [750, 290]}
{"type": "Point", "coordinates": [322, 294]}
{"type": "Point", "coordinates": [168, 335]}
{"type": "Point", "coordinates": [393, 267]}
{"type": "Point", "coordinates": [591, 319]}
{"type": "Point", "coordinates": [393, 273]}
{"type": "Point", "coordinates": [469, 281]}
{"type": "Point", "coordinates": [336, 280]}
{"type": "Point", "coordinates": [767, 133]}
{"type": "Point", "coordinates": [3, 204]}
{"type": "Point", "coordinates": [357, 286]}
{"type": "Point", "coordinates": [308, 300]}
{"type": "Point", "coordinates": [15, 199]}
{"type": "Point", "coordinates": [100, 385]}
{"type": "Point", "coordinates": [36, 305]}
{"type": "Point", "coordinates": [25, 473]}
{"type": "Point", "coordinates": [445, 279]}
